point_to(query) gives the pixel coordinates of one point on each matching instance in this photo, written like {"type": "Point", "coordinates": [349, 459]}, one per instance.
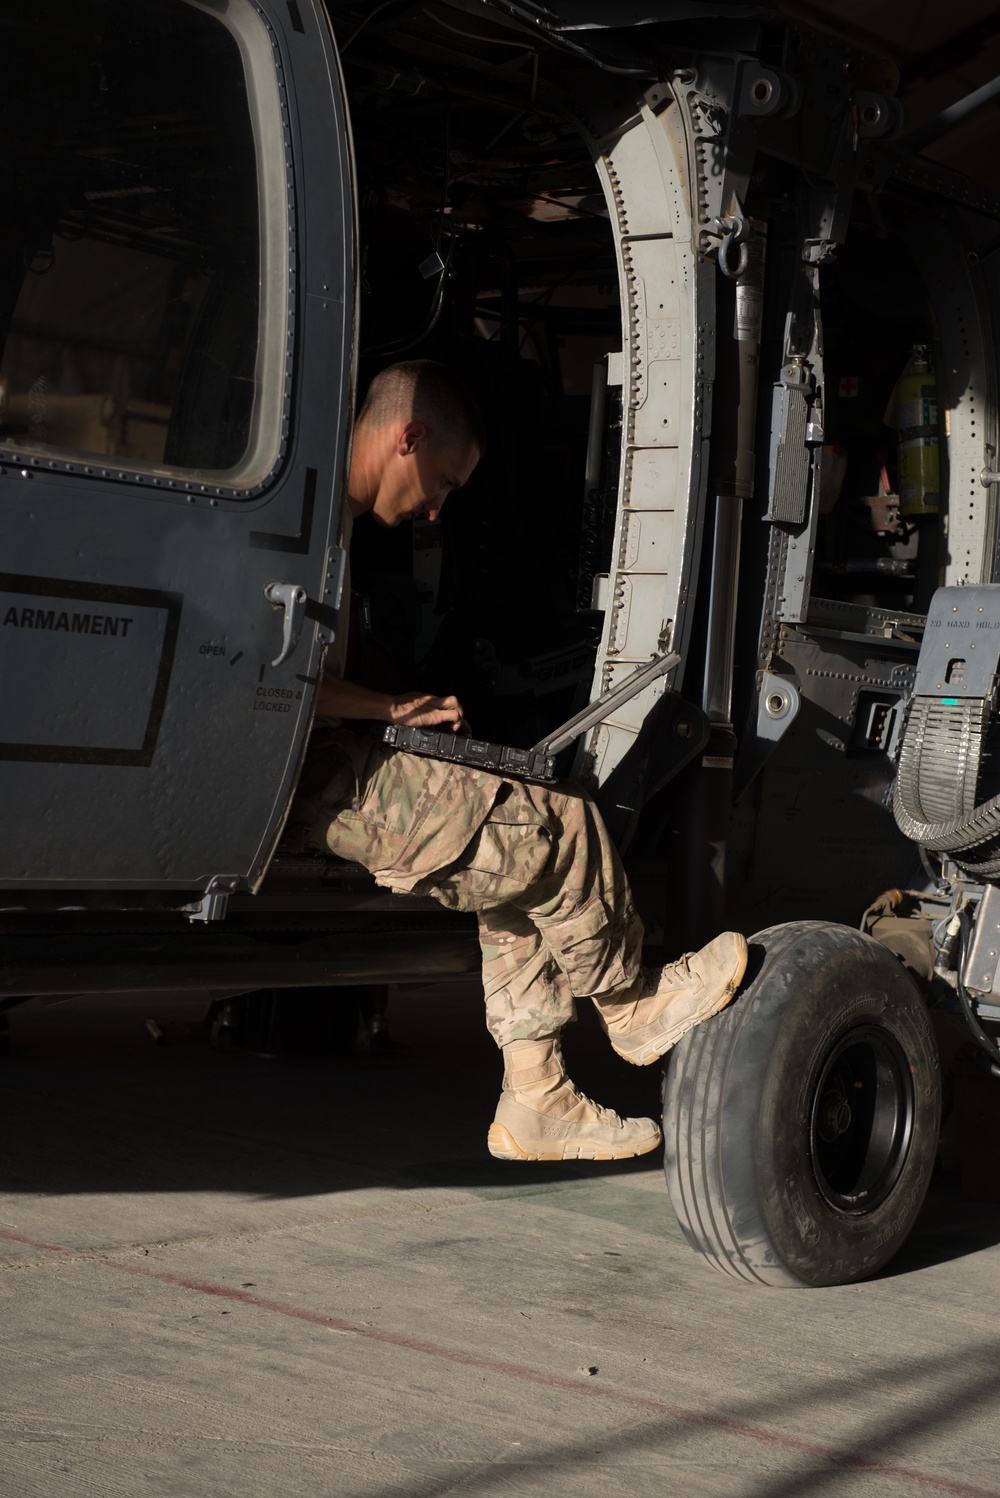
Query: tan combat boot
{"type": "Point", "coordinates": [669, 1001]}
{"type": "Point", "coordinates": [541, 1115]}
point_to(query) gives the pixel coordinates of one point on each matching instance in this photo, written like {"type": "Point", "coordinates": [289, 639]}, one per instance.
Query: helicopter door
{"type": "Point", "coordinates": [176, 316]}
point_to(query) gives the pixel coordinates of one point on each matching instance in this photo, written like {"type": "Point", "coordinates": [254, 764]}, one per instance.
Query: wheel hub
{"type": "Point", "coordinates": [861, 1119]}
{"type": "Point", "coordinates": [835, 1117]}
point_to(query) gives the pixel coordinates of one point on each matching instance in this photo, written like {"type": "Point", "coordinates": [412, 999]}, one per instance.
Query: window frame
{"type": "Point", "coordinates": [267, 447]}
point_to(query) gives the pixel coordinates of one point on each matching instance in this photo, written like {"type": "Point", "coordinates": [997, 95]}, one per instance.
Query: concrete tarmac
{"type": "Point", "coordinates": [306, 1276]}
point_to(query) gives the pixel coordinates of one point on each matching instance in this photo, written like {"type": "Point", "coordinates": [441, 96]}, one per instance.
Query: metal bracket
{"type": "Point", "coordinates": [764, 91]}
{"type": "Point", "coordinates": [983, 957]}
{"type": "Point", "coordinates": [778, 703]}
{"type": "Point", "coordinates": [828, 212]}
{"type": "Point", "coordinates": [777, 706]}
{"type": "Point", "coordinates": [291, 597]}
{"type": "Point", "coordinates": [796, 374]}
{"type": "Point", "coordinates": [215, 901]}
{"type": "Point", "coordinates": [333, 592]}
{"type": "Point", "coordinates": [819, 251]}
{"type": "Point", "coordinates": [876, 115]}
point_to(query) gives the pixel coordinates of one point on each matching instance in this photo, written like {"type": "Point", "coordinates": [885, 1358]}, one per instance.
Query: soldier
{"type": "Point", "coordinates": [556, 918]}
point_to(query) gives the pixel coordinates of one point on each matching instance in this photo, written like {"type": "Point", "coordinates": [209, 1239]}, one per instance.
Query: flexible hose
{"type": "Point", "coordinates": [938, 770]}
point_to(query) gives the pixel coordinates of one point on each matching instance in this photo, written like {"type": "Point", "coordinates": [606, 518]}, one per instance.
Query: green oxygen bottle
{"type": "Point", "coordinates": [917, 427]}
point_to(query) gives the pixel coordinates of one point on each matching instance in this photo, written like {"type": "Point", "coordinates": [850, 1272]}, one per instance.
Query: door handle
{"type": "Point", "coordinates": [292, 598]}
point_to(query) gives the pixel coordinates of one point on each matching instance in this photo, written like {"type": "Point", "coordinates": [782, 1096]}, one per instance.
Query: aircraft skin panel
{"type": "Point", "coordinates": [967, 380]}
{"type": "Point", "coordinates": [668, 303]}
{"type": "Point", "coordinates": [156, 743]}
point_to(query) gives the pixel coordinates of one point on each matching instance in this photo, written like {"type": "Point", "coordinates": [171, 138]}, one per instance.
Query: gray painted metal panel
{"type": "Point", "coordinates": [163, 754]}
{"type": "Point", "coordinates": [959, 655]}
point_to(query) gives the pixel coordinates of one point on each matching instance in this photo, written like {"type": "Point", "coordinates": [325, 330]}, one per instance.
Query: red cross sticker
{"type": "Point", "coordinates": [849, 385]}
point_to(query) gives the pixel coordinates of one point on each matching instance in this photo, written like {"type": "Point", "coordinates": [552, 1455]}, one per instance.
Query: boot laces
{"type": "Point", "coordinates": [672, 975]}
{"type": "Point", "coordinates": [605, 1115]}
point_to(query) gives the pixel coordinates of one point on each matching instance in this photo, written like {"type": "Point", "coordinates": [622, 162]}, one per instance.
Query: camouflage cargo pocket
{"type": "Point", "coordinates": [412, 817]}
{"type": "Point", "coordinates": [503, 861]}
{"type": "Point", "coordinates": [583, 944]}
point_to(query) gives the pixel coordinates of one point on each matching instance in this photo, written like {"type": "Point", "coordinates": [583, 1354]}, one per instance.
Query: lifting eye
{"type": "Point", "coordinates": [955, 674]}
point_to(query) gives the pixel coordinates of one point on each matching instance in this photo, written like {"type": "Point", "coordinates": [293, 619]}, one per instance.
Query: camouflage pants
{"type": "Point", "coordinates": [556, 918]}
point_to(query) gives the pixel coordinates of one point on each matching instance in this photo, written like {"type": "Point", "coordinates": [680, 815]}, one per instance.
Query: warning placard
{"type": "Point", "coordinates": [83, 669]}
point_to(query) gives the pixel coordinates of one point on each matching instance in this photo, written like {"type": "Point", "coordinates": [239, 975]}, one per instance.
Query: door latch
{"type": "Point", "coordinates": [292, 598]}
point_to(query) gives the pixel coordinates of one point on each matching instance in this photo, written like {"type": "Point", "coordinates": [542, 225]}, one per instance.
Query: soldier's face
{"type": "Point", "coordinates": [419, 474]}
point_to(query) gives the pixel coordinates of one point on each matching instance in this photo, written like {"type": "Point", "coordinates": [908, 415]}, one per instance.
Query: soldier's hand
{"type": "Point", "coordinates": [420, 710]}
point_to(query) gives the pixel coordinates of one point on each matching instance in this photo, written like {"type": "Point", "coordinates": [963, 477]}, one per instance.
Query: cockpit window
{"type": "Point", "coordinates": [144, 247]}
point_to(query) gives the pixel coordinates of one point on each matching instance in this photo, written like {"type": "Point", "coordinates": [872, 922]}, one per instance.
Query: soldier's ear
{"type": "Point", "coordinates": [410, 437]}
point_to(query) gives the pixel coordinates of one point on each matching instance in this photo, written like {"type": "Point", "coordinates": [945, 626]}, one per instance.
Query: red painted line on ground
{"type": "Point", "coordinates": [759, 1434]}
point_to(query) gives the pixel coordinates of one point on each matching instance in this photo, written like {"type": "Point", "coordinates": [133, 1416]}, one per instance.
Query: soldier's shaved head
{"type": "Point", "coordinates": [423, 390]}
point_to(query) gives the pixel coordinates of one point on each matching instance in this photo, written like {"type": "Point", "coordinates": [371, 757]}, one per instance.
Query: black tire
{"type": "Point", "coordinates": [776, 1174]}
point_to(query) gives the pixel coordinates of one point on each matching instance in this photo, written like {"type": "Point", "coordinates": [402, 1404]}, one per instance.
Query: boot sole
{"type": "Point", "coordinates": [503, 1146]}
{"type": "Point", "coordinates": [652, 1050]}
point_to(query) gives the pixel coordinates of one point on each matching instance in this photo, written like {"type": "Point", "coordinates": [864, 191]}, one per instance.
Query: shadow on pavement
{"type": "Point", "coordinates": [89, 1104]}
{"type": "Point", "coordinates": [918, 1398]}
